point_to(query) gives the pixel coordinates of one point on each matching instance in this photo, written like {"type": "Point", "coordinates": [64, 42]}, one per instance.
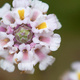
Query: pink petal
{"type": "Point", "coordinates": [10, 18]}
{"type": "Point", "coordinates": [2, 29]}
{"type": "Point", "coordinates": [39, 54]}
{"type": "Point", "coordinates": [9, 58]}
{"type": "Point", "coordinates": [32, 45]}
{"type": "Point", "coordinates": [25, 56]}
{"type": "Point", "coordinates": [10, 30]}
{"type": "Point", "coordinates": [44, 39]}
{"type": "Point", "coordinates": [35, 15]}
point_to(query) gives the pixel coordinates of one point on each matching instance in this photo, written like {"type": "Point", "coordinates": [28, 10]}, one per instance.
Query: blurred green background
{"type": "Point", "coordinates": [68, 12]}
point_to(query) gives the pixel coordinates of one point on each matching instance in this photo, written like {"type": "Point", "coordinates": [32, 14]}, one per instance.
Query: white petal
{"type": "Point", "coordinates": [46, 62]}
{"type": "Point", "coordinates": [45, 50]}
{"type": "Point", "coordinates": [76, 66]}
{"type": "Point", "coordinates": [31, 71]}
{"type": "Point", "coordinates": [3, 35]}
{"type": "Point", "coordinates": [57, 38]}
{"type": "Point", "coordinates": [40, 5]}
{"type": "Point", "coordinates": [18, 56]}
{"type": "Point", "coordinates": [25, 66]}
{"type": "Point", "coordinates": [13, 50]}
{"type": "Point", "coordinates": [4, 53]}
{"type": "Point", "coordinates": [5, 65]}
{"type": "Point", "coordinates": [35, 40]}
{"type": "Point", "coordinates": [59, 25]}
{"type": "Point", "coordinates": [4, 9]}
{"type": "Point", "coordinates": [55, 43]}
{"type": "Point", "coordinates": [54, 47]}
{"type": "Point", "coordinates": [21, 3]}
{"type": "Point", "coordinates": [21, 47]}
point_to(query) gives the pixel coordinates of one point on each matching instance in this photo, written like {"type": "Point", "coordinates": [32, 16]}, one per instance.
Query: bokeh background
{"type": "Point", "coordinates": [68, 12]}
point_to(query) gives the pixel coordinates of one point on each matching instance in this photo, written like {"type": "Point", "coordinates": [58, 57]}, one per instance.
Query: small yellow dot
{"type": "Point", "coordinates": [42, 26]}
{"type": "Point", "coordinates": [21, 14]}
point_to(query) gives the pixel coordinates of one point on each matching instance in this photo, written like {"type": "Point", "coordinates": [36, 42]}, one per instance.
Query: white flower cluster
{"type": "Point", "coordinates": [27, 35]}
{"type": "Point", "coordinates": [74, 74]}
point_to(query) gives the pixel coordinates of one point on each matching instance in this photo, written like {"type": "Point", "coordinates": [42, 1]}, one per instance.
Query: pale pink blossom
{"type": "Point", "coordinates": [46, 23]}
{"type": "Point", "coordinates": [48, 39]}
{"type": "Point", "coordinates": [6, 40]}
{"type": "Point", "coordinates": [26, 35]}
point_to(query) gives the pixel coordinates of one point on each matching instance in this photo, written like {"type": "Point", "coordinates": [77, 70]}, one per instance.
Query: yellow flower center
{"type": "Point", "coordinates": [42, 26]}
{"type": "Point", "coordinates": [6, 40]}
{"type": "Point", "coordinates": [78, 76]}
{"type": "Point", "coordinates": [21, 14]}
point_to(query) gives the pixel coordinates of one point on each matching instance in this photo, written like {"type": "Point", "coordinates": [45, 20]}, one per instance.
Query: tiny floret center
{"type": "Point", "coordinates": [21, 14]}
{"type": "Point", "coordinates": [6, 40]}
{"type": "Point", "coordinates": [42, 26]}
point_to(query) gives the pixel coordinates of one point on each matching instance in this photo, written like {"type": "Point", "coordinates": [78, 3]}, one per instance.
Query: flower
{"type": "Point", "coordinates": [21, 15]}
{"type": "Point", "coordinates": [8, 19]}
{"type": "Point", "coordinates": [48, 39]}
{"type": "Point", "coordinates": [7, 64]}
{"type": "Point", "coordinates": [35, 14]}
{"type": "Point", "coordinates": [27, 36]}
{"type": "Point", "coordinates": [41, 55]}
{"type": "Point", "coordinates": [46, 23]}
{"type": "Point", "coordinates": [6, 40]}
{"type": "Point", "coordinates": [24, 58]}
{"type": "Point", "coordinates": [74, 74]}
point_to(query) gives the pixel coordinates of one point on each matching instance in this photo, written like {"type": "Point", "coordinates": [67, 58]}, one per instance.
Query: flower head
{"type": "Point", "coordinates": [26, 35]}
{"type": "Point", "coordinates": [74, 74]}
